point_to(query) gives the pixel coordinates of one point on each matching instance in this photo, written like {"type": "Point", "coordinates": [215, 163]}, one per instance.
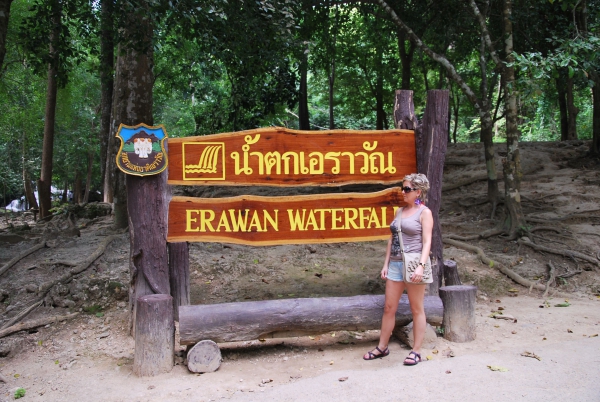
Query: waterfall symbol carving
{"type": "Point", "coordinates": [208, 161]}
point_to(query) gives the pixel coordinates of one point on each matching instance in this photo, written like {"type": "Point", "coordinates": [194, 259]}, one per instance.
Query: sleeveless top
{"type": "Point", "coordinates": [411, 235]}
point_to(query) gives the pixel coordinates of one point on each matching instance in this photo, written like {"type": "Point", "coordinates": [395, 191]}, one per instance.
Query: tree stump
{"type": "Point", "coordinates": [459, 312]}
{"type": "Point", "coordinates": [204, 357]}
{"type": "Point", "coordinates": [179, 275]}
{"type": "Point", "coordinates": [154, 335]}
{"type": "Point", "coordinates": [451, 277]}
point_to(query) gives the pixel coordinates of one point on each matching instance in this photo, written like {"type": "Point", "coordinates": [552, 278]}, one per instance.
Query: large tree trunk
{"type": "Point", "coordinates": [29, 195]}
{"type": "Point", "coordinates": [406, 58]}
{"type": "Point", "coordinates": [4, 18]}
{"type": "Point", "coordinates": [303, 114]}
{"type": "Point", "coordinates": [107, 56]}
{"type": "Point", "coordinates": [430, 161]}
{"type": "Point", "coordinates": [244, 321]}
{"type": "Point", "coordinates": [515, 220]}
{"type": "Point", "coordinates": [88, 177]}
{"type": "Point", "coordinates": [572, 110]}
{"type": "Point", "coordinates": [147, 197]}
{"type": "Point", "coordinates": [562, 107]}
{"type": "Point", "coordinates": [45, 181]}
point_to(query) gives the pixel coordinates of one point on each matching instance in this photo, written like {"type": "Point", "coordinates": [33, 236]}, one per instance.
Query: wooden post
{"type": "Point", "coordinates": [243, 321]}
{"type": "Point", "coordinates": [459, 312]}
{"type": "Point", "coordinates": [179, 273]}
{"type": "Point", "coordinates": [154, 335]}
{"type": "Point", "coordinates": [451, 277]}
{"type": "Point", "coordinates": [430, 161]}
{"type": "Point", "coordinates": [147, 206]}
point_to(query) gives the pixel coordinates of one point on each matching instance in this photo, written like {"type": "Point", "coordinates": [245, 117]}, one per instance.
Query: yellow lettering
{"type": "Point", "coordinates": [383, 217]}
{"type": "Point", "coordinates": [274, 223]}
{"type": "Point", "coordinates": [205, 221]}
{"type": "Point", "coordinates": [322, 217]}
{"type": "Point", "coordinates": [374, 220]}
{"type": "Point", "coordinates": [223, 222]}
{"type": "Point", "coordinates": [239, 224]}
{"type": "Point", "coordinates": [350, 220]}
{"type": "Point", "coordinates": [363, 216]}
{"type": "Point", "coordinates": [312, 221]}
{"type": "Point", "coordinates": [189, 220]}
{"type": "Point", "coordinates": [335, 219]}
{"type": "Point", "coordinates": [295, 221]}
{"type": "Point", "coordinates": [256, 223]}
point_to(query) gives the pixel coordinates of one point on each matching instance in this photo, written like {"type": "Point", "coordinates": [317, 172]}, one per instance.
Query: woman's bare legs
{"type": "Point", "coordinates": [416, 297]}
{"type": "Point", "coordinates": [393, 292]}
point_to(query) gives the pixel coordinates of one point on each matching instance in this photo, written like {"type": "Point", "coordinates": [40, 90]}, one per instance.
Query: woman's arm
{"type": "Point", "coordinates": [386, 262]}
{"type": "Point", "coordinates": [426, 234]}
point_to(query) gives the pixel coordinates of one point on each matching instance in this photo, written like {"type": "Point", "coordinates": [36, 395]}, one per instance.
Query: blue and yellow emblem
{"type": "Point", "coordinates": [142, 151]}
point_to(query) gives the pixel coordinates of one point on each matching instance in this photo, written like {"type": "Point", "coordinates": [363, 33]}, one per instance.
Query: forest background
{"type": "Point", "coordinates": [523, 70]}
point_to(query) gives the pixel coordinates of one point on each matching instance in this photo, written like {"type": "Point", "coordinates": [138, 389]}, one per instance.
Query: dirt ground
{"type": "Point", "coordinates": [90, 357]}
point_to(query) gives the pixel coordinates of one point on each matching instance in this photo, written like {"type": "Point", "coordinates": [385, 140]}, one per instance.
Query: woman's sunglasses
{"type": "Point", "coordinates": [408, 189]}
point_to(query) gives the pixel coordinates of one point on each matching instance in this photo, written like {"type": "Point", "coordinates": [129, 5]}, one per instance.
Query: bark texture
{"type": "Point", "coordinates": [179, 273]}
{"type": "Point", "coordinates": [244, 321]}
{"type": "Point", "coordinates": [154, 336]}
{"type": "Point", "coordinates": [459, 312]}
{"type": "Point", "coordinates": [430, 161]}
{"type": "Point", "coordinates": [107, 56]}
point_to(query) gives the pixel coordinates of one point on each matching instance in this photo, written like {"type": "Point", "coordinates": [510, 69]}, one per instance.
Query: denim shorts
{"type": "Point", "coordinates": [396, 271]}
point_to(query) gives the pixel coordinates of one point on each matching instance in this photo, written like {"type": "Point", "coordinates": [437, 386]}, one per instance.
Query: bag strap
{"type": "Point", "coordinates": [400, 231]}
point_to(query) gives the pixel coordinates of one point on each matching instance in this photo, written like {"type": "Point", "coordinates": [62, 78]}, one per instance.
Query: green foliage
{"type": "Point", "coordinates": [19, 393]}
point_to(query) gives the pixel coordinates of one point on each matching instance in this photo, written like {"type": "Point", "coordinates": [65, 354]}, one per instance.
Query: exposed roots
{"type": "Point", "coordinates": [565, 253]}
{"type": "Point", "coordinates": [495, 264]}
{"type": "Point", "coordinates": [35, 323]}
{"type": "Point", "coordinates": [18, 258]}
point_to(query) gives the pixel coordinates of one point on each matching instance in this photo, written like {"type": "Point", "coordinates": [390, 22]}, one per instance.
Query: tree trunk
{"type": "Point", "coordinates": [562, 106]}
{"type": "Point", "coordinates": [595, 149]}
{"type": "Point", "coordinates": [406, 58]}
{"type": "Point", "coordinates": [303, 114]}
{"type": "Point", "coordinates": [29, 195]}
{"type": "Point", "coordinates": [331, 82]}
{"type": "Point", "coordinates": [107, 56]}
{"type": "Point", "coordinates": [572, 110]}
{"type": "Point", "coordinates": [147, 196]}
{"type": "Point", "coordinates": [45, 181]}
{"type": "Point", "coordinates": [4, 18]}
{"type": "Point", "coordinates": [432, 154]}
{"type": "Point", "coordinates": [515, 220]}
{"type": "Point", "coordinates": [459, 312]}
{"type": "Point", "coordinates": [404, 110]}
{"type": "Point", "coordinates": [244, 321]}
{"type": "Point", "coordinates": [65, 194]}
{"type": "Point", "coordinates": [77, 188]}
{"type": "Point", "coordinates": [88, 178]}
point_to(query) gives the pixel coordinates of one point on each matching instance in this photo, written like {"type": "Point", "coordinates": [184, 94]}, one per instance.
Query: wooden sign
{"type": "Point", "coordinates": [281, 157]}
{"type": "Point", "coordinates": [264, 221]}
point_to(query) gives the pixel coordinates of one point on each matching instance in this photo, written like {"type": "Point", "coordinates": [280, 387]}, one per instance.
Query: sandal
{"type": "Point", "coordinates": [373, 356]}
{"type": "Point", "coordinates": [413, 358]}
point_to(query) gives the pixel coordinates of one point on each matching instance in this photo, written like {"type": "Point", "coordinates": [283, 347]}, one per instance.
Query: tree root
{"type": "Point", "coordinates": [22, 314]}
{"type": "Point", "coordinates": [565, 253]}
{"type": "Point", "coordinates": [35, 323]}
{"type": "Point", "coordinates": [550, 279]}
{"type": "Point", "coordinates": [18, 258]}
{"type": "Point", "coordinates": [551, 228]}
{"type": "Point", "coordinates": [495, 264]}
{"type": "Point", "coordinates": [44, 288]}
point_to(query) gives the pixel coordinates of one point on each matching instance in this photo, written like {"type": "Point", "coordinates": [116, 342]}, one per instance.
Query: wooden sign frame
{"type": "Point", "coordinates": [268, 221]}
{"type": "Point", "coordinates": [277, 156]}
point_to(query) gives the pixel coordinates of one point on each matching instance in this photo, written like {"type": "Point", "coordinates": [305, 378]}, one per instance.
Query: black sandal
{"type": "Point", "coordinates": [416, 359]}
{"type": "Point", "coordinates": [382, 353]}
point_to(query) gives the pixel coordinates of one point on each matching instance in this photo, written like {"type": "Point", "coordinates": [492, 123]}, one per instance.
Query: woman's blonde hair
{"type": "Point", "coordinates": [420, 182]}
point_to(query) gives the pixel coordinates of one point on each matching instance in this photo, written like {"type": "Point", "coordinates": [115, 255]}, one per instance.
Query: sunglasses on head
{"type": "Point", "coordinates": [408, 189]}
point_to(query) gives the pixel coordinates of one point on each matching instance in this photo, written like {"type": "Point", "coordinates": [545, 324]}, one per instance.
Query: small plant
{"type": "Point", "coordinates": [19, 393]}
{"type": "Point", "coordinates": [93, 309]}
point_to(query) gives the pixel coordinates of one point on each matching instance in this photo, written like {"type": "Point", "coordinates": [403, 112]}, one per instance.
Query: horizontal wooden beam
{"type": "Point", "coordinates": [244, 321]}
{"type": "Point", "coordinates": [262, 221]}
{"type": "Point", "coordinates": [277, 156]}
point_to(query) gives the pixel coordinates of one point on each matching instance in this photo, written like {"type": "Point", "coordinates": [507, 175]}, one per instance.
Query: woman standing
{"type": "Point", "coordinates": [416, 231]}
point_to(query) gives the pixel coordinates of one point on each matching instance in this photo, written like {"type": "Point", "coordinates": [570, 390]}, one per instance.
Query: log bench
{"type": "Point", "coordinates": [245, 321]}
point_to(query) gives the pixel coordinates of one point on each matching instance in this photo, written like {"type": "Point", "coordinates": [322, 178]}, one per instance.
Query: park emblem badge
{"type": "Point", "coordinates": [142, 151]}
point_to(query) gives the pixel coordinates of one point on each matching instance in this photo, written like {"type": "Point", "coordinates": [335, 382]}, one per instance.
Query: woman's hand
{"type": "Point", "coordinates": [417, 276]}
{"type": "Point", "coordinates": [384, 272]}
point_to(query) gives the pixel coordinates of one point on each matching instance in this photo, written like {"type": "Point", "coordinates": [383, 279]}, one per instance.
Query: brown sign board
{"type": "Point", "coordinates": [278, 156]}
{"type": "Point", "coordinates": [265, 221]}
